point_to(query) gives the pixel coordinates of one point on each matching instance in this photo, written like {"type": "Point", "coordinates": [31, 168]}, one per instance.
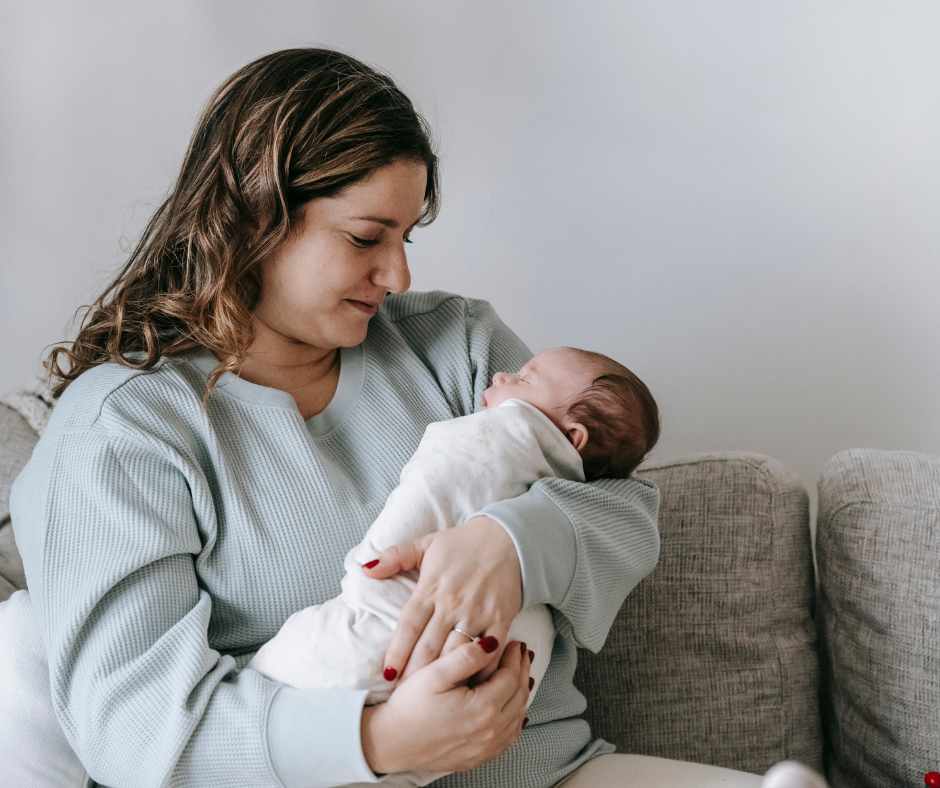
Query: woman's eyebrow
{"type": "Point", "coordinates": [383, 220]}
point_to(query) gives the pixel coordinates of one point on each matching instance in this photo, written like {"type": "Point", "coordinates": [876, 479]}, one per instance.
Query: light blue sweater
{"type": "Point", "coordinates": [163, 545]}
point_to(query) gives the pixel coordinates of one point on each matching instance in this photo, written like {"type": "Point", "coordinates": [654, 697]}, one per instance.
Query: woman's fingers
{"type": "Point", "coordinates": [500, 688]}
{"type": "Point", "coordinates": [453, 669]}
{"type": "Point", "coordinates": [526, 682]}
{"type": "Point", "coordinates": [414, 618]}
{"type": "Point", "coordinates": [515, 667]}
{"type": "Point", "coordinates": [430, 644]}
{"type": "Point", "coordinates": [468, 575]}
{"type": "Point", "coordinates": [415, 613]}
{"type": "Point", "coordinates": [521, 673]}
{"type": "Point", "coordinates": [502, 635]}
{"type": "Point", "coordinates": [399, 558]}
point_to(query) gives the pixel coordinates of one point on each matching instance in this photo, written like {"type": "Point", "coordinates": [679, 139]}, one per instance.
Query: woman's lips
{"type": "Point", "coordinates": [362, 307]}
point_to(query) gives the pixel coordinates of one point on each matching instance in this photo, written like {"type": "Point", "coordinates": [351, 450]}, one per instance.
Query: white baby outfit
{"type": "Point", "coordinates": [460, 466]}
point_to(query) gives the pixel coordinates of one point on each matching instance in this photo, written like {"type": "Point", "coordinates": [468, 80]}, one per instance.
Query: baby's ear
{"type": "Point", "coordinates": [578, 435]}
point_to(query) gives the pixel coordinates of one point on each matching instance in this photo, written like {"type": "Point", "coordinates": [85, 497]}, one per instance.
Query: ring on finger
{"type": "Point", "coordinates": [464, 632]}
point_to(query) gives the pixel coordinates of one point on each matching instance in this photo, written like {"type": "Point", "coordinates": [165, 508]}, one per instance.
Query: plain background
{"type": "Point", "coordinates": [737, 200]}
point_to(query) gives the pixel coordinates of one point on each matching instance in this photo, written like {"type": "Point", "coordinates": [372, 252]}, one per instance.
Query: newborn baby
{"type": "Point", "coordinates": [567, 413]}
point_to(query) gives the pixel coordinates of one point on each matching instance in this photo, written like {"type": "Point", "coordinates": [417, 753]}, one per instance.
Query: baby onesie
{"type": "Point", "coordinates": [460, 466]}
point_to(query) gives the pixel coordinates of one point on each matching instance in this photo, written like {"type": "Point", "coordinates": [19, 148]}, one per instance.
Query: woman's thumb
{"type": "Point", "coordinates": [454, 668]}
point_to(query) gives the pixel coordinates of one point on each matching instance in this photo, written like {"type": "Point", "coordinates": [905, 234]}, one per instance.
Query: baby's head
{"type": "Point", "coordinates": [605, 410]}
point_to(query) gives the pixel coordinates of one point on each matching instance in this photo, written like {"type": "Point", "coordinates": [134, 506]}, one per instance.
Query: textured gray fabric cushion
{"type": "Point", "coordinates": [712, 658]}
{"type": "Point", "coordinates": [878, 547]}
{"type": "Point", "coordinates": [17, 439]}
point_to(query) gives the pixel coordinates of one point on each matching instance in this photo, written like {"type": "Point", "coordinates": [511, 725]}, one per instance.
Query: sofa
{"type": "Point", "coordinates": [735, 653]}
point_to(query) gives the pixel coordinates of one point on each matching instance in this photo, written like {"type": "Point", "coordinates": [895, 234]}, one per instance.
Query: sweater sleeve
{"type": "Point", "coordinates": [582, 546]}
{"type": "Point", "coordinates": [112, 546]}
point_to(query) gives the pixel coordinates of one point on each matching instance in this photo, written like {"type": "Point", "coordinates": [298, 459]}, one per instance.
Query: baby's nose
{"type": "Point", "coordinates": [500, 378]}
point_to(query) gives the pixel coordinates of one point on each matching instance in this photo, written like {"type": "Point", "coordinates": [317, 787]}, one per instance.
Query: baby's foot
{"type": "Point", "coordinates": [792, 774]}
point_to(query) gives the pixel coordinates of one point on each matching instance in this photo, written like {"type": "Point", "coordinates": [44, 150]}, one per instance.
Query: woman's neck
{"type": "Point", "coordinates": [280, 362]}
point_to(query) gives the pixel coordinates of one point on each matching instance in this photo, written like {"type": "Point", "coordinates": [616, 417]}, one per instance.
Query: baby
{"type": "Point", "coordinates": [567, 413]}
{"type": "Point", "coordinates": [600, 406]}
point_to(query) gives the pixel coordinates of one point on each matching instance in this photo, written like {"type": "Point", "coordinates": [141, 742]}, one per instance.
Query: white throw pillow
{"type": "Point", "coordinates": [33, 748]}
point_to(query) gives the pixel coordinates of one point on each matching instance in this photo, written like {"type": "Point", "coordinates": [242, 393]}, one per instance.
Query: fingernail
{"type": "Point", "coordinates": [489, 644]}
{"type": "Point", "coordinates": [390, 674]}
{"type": "Point", "coordinates": [531, 655]}
{"type": "Point", "coordinates": [531, 683]}
{"type": "Point", "coordinates": [372, 563]}
{"type": "Point", "coordinates": [522, 648]}
{"type": "Point", "coordinates": [525, 722]}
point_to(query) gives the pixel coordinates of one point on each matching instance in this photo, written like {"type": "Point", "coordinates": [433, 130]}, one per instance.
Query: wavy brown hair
{"type": "Point", "coordinates": [289, 127]}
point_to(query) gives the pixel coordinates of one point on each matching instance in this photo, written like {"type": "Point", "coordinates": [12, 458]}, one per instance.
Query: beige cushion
{"type": "Point", "coordinates": [616, 770]}
{"type": "Point", "coordinates": [712, 658]}
{"type": "Point", "coordinates": [17, 439]}
{"type": "Point", "coordinates": [878, 544]}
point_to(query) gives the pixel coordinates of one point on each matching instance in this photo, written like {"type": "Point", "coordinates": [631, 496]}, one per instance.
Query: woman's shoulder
{"type": "Point", "coordinates": [434, 317]}
{"type": "Point", "coordinates": [112, 395]}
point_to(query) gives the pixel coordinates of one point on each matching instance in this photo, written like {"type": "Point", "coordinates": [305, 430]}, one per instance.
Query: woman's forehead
{"type": "Point", "coordinates": [394, 184]}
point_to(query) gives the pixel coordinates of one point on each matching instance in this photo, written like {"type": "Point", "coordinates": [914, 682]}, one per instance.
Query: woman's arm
{"type": "Point", "coordinates": [109, 542]}
{"type": "Point", "coordinates": [582, 546]}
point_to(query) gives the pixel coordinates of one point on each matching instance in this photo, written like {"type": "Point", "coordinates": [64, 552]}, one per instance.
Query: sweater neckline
{"type": "Point", "coordinates": [348, 387]}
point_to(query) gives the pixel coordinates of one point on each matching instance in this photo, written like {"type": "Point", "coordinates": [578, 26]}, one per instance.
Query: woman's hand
{"type": "Point", "coordinates": [433, 722]}
{"type": "Point", "coordinates": [469, 577]}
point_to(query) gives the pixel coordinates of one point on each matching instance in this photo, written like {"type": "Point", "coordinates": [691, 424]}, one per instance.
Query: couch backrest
{"type": "Point", "coordinates": [878, 544]}
{"type": "Point", "coordinates": [712, 658]}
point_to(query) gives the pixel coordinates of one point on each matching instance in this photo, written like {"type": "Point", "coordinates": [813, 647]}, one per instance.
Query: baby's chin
{"type": "Point", "coordinates": [495, 399]}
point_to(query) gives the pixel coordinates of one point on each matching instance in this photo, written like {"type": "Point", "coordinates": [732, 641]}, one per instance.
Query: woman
{"type": "Point", "coordinates": [239, 404]}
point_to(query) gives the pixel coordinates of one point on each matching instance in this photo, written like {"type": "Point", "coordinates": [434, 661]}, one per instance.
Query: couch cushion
{"type": "Point", "coordinates": [878, 547]}
{"type": "Point", "coordinates": [17, 439]}
{"type": "Point", "coordinates": [712, 658]}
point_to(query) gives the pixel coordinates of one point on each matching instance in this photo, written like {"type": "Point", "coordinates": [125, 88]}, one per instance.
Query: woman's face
{"type": "Point", "coordinates": [338, 256]}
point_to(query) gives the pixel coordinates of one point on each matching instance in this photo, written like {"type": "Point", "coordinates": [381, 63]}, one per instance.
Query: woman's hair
{"type": "Point", "coordinates": [621, 417]}
{"type": "Point", "coordinates": [291, 126]}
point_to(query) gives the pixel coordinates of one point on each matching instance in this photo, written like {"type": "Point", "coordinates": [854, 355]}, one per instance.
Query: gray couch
{"type": "Point", "coordinates": [732, 653]}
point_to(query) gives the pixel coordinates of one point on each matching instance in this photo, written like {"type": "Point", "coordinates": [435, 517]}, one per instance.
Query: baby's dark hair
{"type": "Point", "coordinates": [621, 417]}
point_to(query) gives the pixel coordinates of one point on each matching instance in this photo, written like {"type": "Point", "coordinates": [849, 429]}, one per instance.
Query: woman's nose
{"type": "Point", "coordinates": [394, 275]}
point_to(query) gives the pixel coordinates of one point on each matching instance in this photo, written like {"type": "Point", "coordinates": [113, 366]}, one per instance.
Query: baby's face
{"type": "Point", "coordinates": [548, 381]}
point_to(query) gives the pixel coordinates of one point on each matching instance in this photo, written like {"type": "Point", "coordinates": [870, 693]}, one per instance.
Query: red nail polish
{"type": "Point", "coordinates": [522, 647]}
{"type": "Point", "coordinates": [525, 722]}
{"type": "Point", "coordinates": [531, 655]}
{"type": "Point", "coordinates": [372, 563]}
{"type": "Point", "coordinates": [489, 644]}
{"type": "Point", "coordinates": [531, 683]}
{"type": "Point", "coordinates": [390, 674]}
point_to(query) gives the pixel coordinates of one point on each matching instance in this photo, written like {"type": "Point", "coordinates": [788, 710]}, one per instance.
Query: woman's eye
{"type": "Point", "coordinates": [371, 242]}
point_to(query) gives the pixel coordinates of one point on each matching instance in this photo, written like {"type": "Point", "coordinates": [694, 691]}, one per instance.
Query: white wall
{"type": "Point", "coordinates": [738, 200]}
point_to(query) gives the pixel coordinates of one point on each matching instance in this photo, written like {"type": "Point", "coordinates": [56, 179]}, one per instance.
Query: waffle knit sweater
{"type": "Point", "coordinates": [164, 544]}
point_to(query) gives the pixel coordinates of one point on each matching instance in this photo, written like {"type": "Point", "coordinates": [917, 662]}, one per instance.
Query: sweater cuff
{"type": "Point", "coordinates": [314, 737]}
{"type": "Point", "coordinates": [545, 543]}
